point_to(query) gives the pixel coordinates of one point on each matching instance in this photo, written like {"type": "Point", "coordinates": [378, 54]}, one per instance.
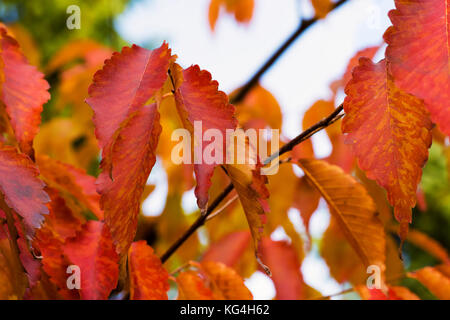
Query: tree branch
{"type": "Point", "coordinates": [304, 25]}
{"type": "Point", "coordinates": [333, 117]}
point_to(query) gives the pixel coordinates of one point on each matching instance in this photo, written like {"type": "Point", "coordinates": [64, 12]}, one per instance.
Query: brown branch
{"type": "Point", "coordinates": [333, 117]}
{"type": "Point", "coordinates": [304, 25]}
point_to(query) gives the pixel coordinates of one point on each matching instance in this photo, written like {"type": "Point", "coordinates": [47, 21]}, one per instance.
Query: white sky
{"type": "Point", "coordinates": [234, 52]}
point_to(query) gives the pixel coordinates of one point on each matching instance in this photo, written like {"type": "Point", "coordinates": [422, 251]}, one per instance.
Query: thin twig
{"type": "Point", "coordinates": [333, 117]}
{"type": "Point", "coordinates": [222, 208]}
{"type": "Point", "coordinates": [303, 26]}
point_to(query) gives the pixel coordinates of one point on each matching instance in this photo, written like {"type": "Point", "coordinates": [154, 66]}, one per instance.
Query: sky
{"type": "Point", "coordinates": [299, 78]}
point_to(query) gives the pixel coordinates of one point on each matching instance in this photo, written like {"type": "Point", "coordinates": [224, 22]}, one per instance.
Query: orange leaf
{"type": "Point", "coordinates": [341, 258]}
{"type": "Point", "coordinates": [352, 208]}
{"type": "Point", "coordinates": [284, 263]}
{"type": "Point", "coordinates": [225, 282]}
{"type": "Point", "coordinates": [322, 7]}
{"type": "Point", "coordinates": [199, 100]}
{"type": "Point", "coordinates": [259, 109]}
{"type": "Point", "coordinates": [23, 92]}
{"type": "Point", "coordinates": [191, 286]}
{"type": "Point", "coordinates": [85, 49]}
{"type": "Point", "coordinates": [242, 9]}
{"type": "Point", "coordinates": [23, 191]}
{"type": "Point", "coordinates": [148, 279]}
{"type": "Point", "coordinates": [250, 186]}
{"type": "Point", "coordinates": [12, 279]}
{"type": "Point", "coordinates": [418, 52]}
{"type": "Point", "coordinates": [92, 250]}
{"type": "Point", "coordinates": [390, 133]}
{"type": "Point", "coordinates": [437, 281]}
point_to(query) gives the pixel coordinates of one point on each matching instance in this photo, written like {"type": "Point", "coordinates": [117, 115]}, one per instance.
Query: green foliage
{"type": "Point", "coordinates": [46, 20]}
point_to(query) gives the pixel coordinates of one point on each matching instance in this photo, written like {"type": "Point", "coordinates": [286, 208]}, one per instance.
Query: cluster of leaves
{"type": "Point", "coordinates": [54, 215]}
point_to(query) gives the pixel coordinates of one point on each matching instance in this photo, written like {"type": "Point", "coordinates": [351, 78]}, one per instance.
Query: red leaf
{"type": "Point", "coordinates": [23, 191]}
{"type": "Point", "coordinates": [93, 251]}
{"type": "Point", "coordinates": [418, 52]}
{"type": "Point", "coordinates": [148, 279]}
{"type": "Point", "coordinates": [60, 224]}
{"type": "Point", "coordinates": [198, 99]}
{"type": "Point", "coordinates": [126, 82]}
{"type": "Point", "coordinates": [132, 158]}
{"type": "Point", "coordinates": [23, 91]}
{"type": "Point", "coordinates": [128, 129]}
{"type": "Point", "coordinates": [284, 263]}
{"type": "Point", "coordinates": [72, 181]}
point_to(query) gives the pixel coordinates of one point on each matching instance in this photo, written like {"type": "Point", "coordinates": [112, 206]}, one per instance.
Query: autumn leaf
{"type": "Point", "coordinates": [212, 281]}
{"type": "Point", "coordinates": [225, 282]}
{"type": "Point", "coordinates": [26, 42]}
{"type": "Point", "coordinates": [128, 130]}
{"type": "Point", "coordinates": [283, 261]}
{"type": "Point", "coordinates": [242, 10]}
{"type": "Point", "coordinates": [258, 109]}
{"type": "Point", "coordinates": [393, 293]}
{"type": "Point", "coordinates": [22, 190]}
{"type": "Point", "coordinates": [192, 287]}
{"type": "Point", "coordinates": [353, 63]}
{"type": "Point", "coordinates": [134, 76]}
{"type": "Point", "coordinates": [148, 279]}
{"type": "Point", "coordinates": [283, 189]}
{"type": "Point", "coordinates": [92, 250]}
{"type": "Point", "coordinates": [74, 183]}
{"type": "Point", "coordinates": [23, 92]}
{"type": "Point", "coordinates": [436, 279]}
{"type": "Point", "coordinates": [340, 257]}
{"type": "Point", "coordinates": [12, 278]}
{"type": "Point", "coordinates": [315, 113]}
{"type": "Point", "coordinates": [390, 133]}
{"type": "Point", "coordinates": [229, 249]}
{"type": "Point", "coordinates": [306, 200]}
{"type": "Point", "coordinates": [352, 208]}
{"type": "Point", "coordinates": [85, 49]}
{"type": "Point", "coordinates": [60, 224]}
{"type": "Point", "coordinates": [418, 54]}
{"type": "Point", "coordinates": [253, 194]}
{"type": "Point", "coordinates": [199, 101]}
{"type": "Point", "coordinates": [122, 182]}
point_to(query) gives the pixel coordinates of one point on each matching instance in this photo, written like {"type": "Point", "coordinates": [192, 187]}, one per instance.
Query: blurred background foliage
{"type": "Point", "coordinates": [46, 21]}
